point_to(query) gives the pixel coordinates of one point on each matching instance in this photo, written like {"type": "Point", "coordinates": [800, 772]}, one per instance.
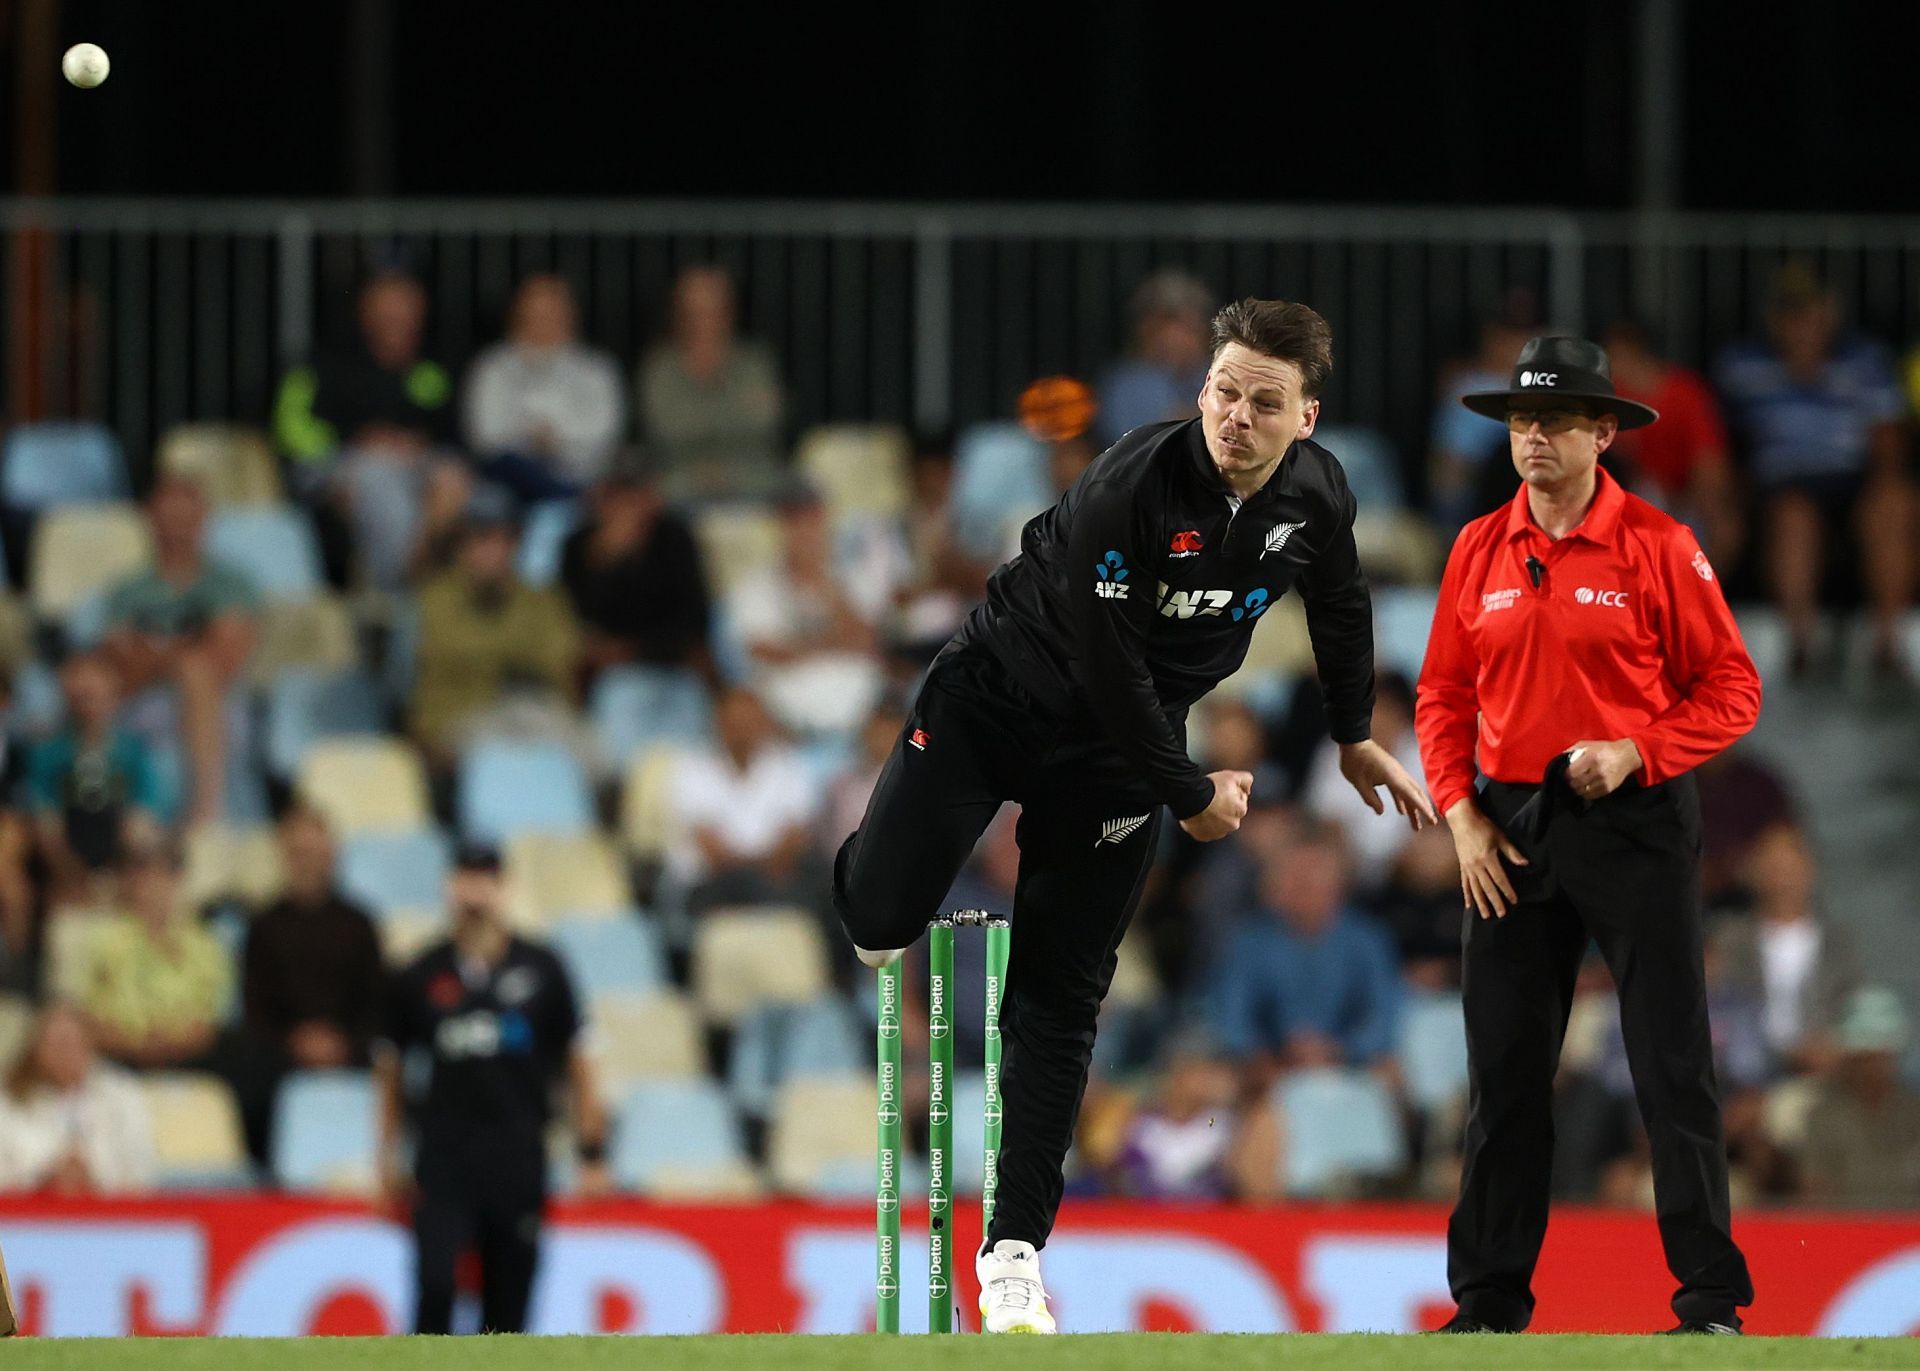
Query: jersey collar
{"type": "Point", "coordinates": [1603, 515]}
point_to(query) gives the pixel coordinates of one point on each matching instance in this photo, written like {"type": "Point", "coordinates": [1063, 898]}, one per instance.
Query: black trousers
{"type": "Point", "coordinates": [489, 1199]}
{"type": "Point", "coordinates": [1086, 833]}
{"type": "Point", "coordinates": [1624, 872]}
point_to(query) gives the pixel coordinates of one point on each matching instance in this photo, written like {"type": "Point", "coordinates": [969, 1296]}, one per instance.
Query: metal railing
{"type": "Point", "coordinates": [149, 313]}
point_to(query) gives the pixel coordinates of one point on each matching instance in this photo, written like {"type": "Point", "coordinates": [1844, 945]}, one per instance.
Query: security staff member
{"type": "Point", "coordinates": [497, 1020]}
{"type": "Point", "coordinates": [1582, 652]}
{"type": "Point", "coordinates": [1067, 692]}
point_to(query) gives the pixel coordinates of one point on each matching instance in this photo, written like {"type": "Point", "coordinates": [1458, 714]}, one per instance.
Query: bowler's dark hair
{"type": "Point", "coordinates": [1286, 329]}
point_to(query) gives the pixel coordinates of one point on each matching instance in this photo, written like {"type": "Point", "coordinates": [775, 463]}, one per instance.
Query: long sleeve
{"type": "Point", "coordinates": [1373, 1034]}
{"type": "Point", "coordinates": [1234, 992]}
{"type": "Point", "coordinates": [589, 424]}
{"type": "Point", "coordinates": [1110, 585]}
{"type": "Point", "coordinates": [1340, 624]}
{"type": "Point", "coordinates": [1708, 663]}
{"type": "Point", "coordinates": [1447, 711]}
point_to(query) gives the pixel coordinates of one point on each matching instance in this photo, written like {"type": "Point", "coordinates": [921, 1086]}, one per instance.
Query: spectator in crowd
{"type": "Point", "coordinates": [1374, 845]}
{"type": "Point", "coordinates": [847, 793]}
{"type": "Point", "coordinates": [312, 979]}
{"type": "Point", "coordinates": [1468, 472]}
{"type": "Point", "coordinates": [809, 625]}
{"type": "Point", "coordinates": [1799, 968]}
{"type": "Point", "coordinates": [543, 410]}
{"type": "Point", "coordinates": [745, 810]}
{"type": "Point", "coordinates": [1236, 740]}
{"type": "Point", "coordinates": [944, 581]}
{"type": "Point", "coordinates": [1222, 885]}
{"type": "Point", "coordinates": [157, 981]}
{"type": "Point", "coordinates": [92, 788]}
{"type": "Point", "coordinates": [489, 641]}
{"type": "Point", "coordinates": [1420, 906]}
{"type": "Point", "coordinates": [1306, 981]}
{"type": "Point", "coordinates": [634, 575]}
{"type": "Point", "coordinates": [179, 635]}
{"type": "Point", "coordinates": [1741, 798]}
{"type": "Point", "coordinates": [1162, 377]}
{"type": "Point", "coordinates": [1863, 1131]}
{"type": "Point", "coordinates": [71, 1124]}
{"type": "Point", "coordinates": [1821, 419]}
{"type": "Point", "coordinates": [711, 401]}
{"type": "Point", "coordinates": [1191, 1141]}
{"type": "Point", "coordinates": [1680, 463]}
{"type": "Point", "coordinates": [360, 427]}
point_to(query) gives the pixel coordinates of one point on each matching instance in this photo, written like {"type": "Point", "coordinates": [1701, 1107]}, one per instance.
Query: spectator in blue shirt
{"type": "Point", "coordinates": [92, 788]}
{"type": "Point", "coordinates": [1172, 315]}
{"type": "Point", "coordinates": [1307, 981]}
{"type": "Point", "coordinates": [1820, 418]}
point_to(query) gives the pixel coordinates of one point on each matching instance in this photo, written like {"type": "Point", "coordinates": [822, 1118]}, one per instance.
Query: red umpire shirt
{"type": "Point", "coordinates": [1617, 630]}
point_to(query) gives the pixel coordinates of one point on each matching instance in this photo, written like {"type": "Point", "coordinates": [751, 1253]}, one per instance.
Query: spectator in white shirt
{"type": "Point", "coordinates": [543, 410]}
{"type": "Point", "coordinates": [70, 1124]}
{"type": "Point", "coordinates": [1374, 843]}
{"type": "Point", "coordinates": [745, 811]}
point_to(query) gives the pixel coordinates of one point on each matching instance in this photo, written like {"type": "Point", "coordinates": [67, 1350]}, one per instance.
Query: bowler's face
{"type": "Point", "coordinates": [1251, 409]}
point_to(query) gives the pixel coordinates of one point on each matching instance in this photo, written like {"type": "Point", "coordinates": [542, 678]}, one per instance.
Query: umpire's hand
{"type": "Point", "coordinates": [1229, 807]}
{"type": "Point", "coordinates": [1480, 845]}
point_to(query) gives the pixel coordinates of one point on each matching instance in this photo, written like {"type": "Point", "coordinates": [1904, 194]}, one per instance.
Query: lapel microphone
{"type": "Point", "coordinates": [1536, 569]}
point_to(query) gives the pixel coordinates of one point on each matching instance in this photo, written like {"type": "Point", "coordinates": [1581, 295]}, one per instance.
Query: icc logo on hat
{"type": "Point", "coordinates": [1539, 378]}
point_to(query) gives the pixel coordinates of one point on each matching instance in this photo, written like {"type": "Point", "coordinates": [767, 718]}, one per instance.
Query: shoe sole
{"type": "Point", "coordinates": [9, 1313]}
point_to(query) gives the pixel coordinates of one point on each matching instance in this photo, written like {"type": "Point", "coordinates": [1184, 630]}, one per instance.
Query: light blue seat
{"type": "Point", "coordinates": [306, 706]}
{"type": "Point", "coordinates": [61, 463]}
{"type": "Point", "coordinates": [544, 537]}
{"type": "Point", "coordinates": [969, 1132]}
{"type": "Point", "coordinates": [1371, 464]}
{"type": "Point", "coordinates": [999, 476]}
{"type": "Point", "coordinates": [776, 1043]}
{"type": "Point", "coordinates": [510, 786]}
{"type": "Point", "coordinates": [1403, 616]}
{"type": "Point", "coordinates": [273, 545]}
{"type": "Point", "coordinates": [324, 1131]}
{"type": "Point", "coordinates": [668, 1127]}
{"type": "Point", "coordinates": [1340, 1126]}
{"type": "Point", "coordinates": [1433, 1050]}
{"type": "Point", "coordinates": [389, 872]}
{"type": "Point", "coordinates": [638, 707]}
{"type": "Point", "coordinates": [622, 954]}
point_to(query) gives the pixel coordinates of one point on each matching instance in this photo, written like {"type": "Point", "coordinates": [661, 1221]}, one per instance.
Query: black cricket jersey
{"type": "Point", "coordinates": [1139, 591]}
{"type": "Point", "coordinates": [497, 1037]}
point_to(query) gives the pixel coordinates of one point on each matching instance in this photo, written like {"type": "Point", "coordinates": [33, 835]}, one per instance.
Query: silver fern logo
{"type": "Point", "coordinates": [1277, 536]}
{"type": "Point", "coordinates": [1119, 830]}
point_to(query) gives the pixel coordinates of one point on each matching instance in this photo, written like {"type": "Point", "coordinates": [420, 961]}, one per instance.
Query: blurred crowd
{"type": "Point", "coordinates": [616, 617]}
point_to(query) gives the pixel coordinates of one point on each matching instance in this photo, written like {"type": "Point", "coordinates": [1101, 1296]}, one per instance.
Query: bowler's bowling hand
{"type": "Point", "coordinates": [1231, 790]}
{"type": "Point", "coordinates": [1481, 846]}
{"type": "Point", "coordinates": [1600, 768]}
{"type": "Point", "coordinates": [1367, 765]}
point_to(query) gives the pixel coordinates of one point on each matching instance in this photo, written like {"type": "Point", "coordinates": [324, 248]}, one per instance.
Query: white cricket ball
{"type": "Point", "coordinates": [85, 65]}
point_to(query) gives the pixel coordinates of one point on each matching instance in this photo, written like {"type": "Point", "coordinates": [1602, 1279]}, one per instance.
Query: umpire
{"type": "Point", "coordinates": [497, 1020]}
{"type": "Point", "coordinates": [1583, 655]}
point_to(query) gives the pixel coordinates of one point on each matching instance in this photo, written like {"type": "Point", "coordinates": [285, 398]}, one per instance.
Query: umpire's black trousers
{"type": "Point", "coordinates": [975, 739]}
{"type": "Point", "coordinates": [1624, 872]}
{"type": "Point", "coordinates": [485, 1196]}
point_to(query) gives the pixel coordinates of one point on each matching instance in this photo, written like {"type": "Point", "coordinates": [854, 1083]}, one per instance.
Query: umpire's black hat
{"type": "Point", "coordinates": [1553, 367]}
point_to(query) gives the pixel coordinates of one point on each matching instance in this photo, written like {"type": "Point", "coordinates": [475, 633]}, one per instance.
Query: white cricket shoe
{"type": "Point", "coordinates": [1012, 1300]}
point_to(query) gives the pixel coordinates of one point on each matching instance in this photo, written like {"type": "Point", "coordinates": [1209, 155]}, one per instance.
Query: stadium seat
{"type": "Point", "coordinates": [1433, 1051]}
{"type": "Point", "coordinates": [646, 1037]}
{"type": "Point", "coordinates": [999, 478]}
{"type": "Point", "coordinates": [1398, 546]}
{"type": "Point", "coordinates": [1135, 982]}
{"type": "Point", "coordinates": [406, 933]}
{"type": "Point", "coordinates": [969, 1132]}
{"type": "Point", "coordinates": [565, 875]}
{"type": "Point", "coordinates": [776, 1043]}
{"type": "Point", "coordinates": [1367, 457]}
{"type": "Point", "coordinates": [305, 706]}
{"type": "Point", "coordinates": [273, 545]}
{"type": "Point", "coordinates": [365, 784]}
{"type": "Point", "coordinates": [232, 862]}
{"type": "Point", "coordinates": [232, 463]}
{"type": "Point", "coordinates": [646, 803]}
{"type": "Point", "coordinates": [392, 872]}
{"type": "Point", "coordinates": [81, 551]}
{"type": "Point", "coordinates": [508, 787]}
{"type": "Point", "coordinates": [610, 956]}
{"type": "Point", "coordinates": [315, 636]}
{"type": "Point", "coordinates": [61, 463]}
{"type": "Point", "coordinates": [1402, 617]}
{"type": "Point", "coordinates": [324, 1135]}
{"type": "Point", "coordinates": [196, 1131]}
{"type": "Point", "coordinates": [735, 541]}
{"type": "Point", "coordinates": [638, 707]}
{"type": "Point", "coordinates": [821, 1137]}
{"type": "Point", "coordinates": [860, 470]}
{"type": "Point", "coordinates": [1341, 1127]}
{"type": "Point", "coordinates": [750, 956]}
{"type": "Point", "coordinates": [1279, 647]}
{"type": "Point", "coordinates": [544, 536]}
{"type": "Point", "coordinates": [672, 1134]}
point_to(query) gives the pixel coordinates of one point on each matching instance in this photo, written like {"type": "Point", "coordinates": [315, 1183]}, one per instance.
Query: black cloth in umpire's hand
{"type": "Point", "coordinates": [1530, 824]}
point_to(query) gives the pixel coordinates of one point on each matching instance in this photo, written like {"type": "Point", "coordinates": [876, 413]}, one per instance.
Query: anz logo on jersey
{"type": "Point", "coordinates": [482, 1033]}
{"type": "Point", "coordinates": [1204, 604]}
{"type": "Point", "coordinates": [1110, 577]}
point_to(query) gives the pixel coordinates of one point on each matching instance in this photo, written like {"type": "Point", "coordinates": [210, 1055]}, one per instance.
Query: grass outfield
{"type": "Point", "coordinates": [1122, 1352]}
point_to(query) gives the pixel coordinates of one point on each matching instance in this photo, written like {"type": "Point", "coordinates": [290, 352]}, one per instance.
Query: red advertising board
{"type": "Point", "coordinates": [277, 1266]}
